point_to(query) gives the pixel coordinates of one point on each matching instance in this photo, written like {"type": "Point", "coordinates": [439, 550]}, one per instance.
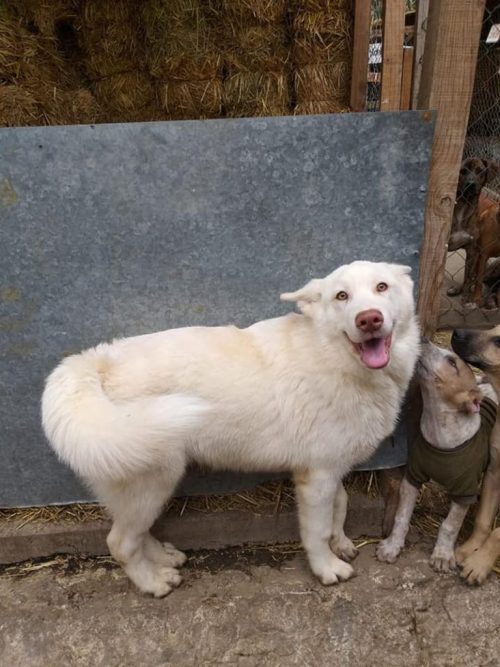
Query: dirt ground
{"type": "Point", "coordinates": [254, 607]}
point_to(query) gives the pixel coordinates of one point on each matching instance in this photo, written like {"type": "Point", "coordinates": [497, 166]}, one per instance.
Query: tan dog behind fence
{"type": "Point", "coordinates": [467, 224]}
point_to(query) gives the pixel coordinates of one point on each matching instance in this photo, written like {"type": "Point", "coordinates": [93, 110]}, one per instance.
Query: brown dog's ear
{"type": "Point", "coordinates": [492, 170]}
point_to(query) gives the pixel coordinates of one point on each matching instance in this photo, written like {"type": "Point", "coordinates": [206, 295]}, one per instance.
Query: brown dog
{"type": "Point", "coordinates": [474, 175]}
{"type": "Point", "coordinates": [478, 555]}
{"type": "Point", "coordinates": [487, 244]}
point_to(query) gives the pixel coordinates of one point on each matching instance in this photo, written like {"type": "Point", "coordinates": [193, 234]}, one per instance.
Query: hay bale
{"type": "Point", "coordinates": [43, 16]}
{"type": "Point", "coordinates": [18, 107]}
{"type": "Point", "coordinates": [307, 51]}
{"type": "Point", "coordinates": [125, 92]}
{"type": "Point", "coordinates": [316, 108]}
{"type": "Point", "coordinates": [256, 94]}
{"type": "Point", "coordinates": [111, 48]}
{"type": "Point", "coordinates": [191, 99]}
{"type": "Point", "coordinates": [82, 107]}
{"type": "Point", "coordinates": [152, 112]}
{"type": "Point", "coordinates": [40, 86]}
{"type": "Point", "coordinates": [22, 106]}
{"type": "Point", "coordinates": [102, 12]}
{"type": "Point", "coordinates": [322, 54]}
{"type": "Point", "coordinates": [256, 47]}
{"type": "Point", "coordinates": [315, 24]}
{"type": "Point", "coordinates": [34, 74]}
{"type": "Point", "coordinates": [182, 53]}
{"type": "Point", "coordinates": [167, 13]}
{"type": "Point", "coordinates": [328, 6]}
{"type": "Point", "coordinates": [322, 82]}
{"type": "Point", "coordinates": [179, 41]}
{"type": "Point", "coordinates": [24, 56]}
{"type": "Point", "coordinates": [254, 41]}
{"type": "Point", "coordinates": [244, 11]}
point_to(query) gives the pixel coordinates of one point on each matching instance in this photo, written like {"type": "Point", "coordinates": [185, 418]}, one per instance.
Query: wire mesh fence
{"type": "Point", "coordinates": [471, 290]}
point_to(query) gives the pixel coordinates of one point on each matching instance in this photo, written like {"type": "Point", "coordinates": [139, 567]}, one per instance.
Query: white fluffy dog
{"type": "Point", "coordinates": [313, 394]}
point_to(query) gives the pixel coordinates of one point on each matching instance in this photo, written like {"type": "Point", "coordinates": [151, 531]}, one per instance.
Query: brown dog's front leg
{"type": "Point", "coordinates": [478, 286]}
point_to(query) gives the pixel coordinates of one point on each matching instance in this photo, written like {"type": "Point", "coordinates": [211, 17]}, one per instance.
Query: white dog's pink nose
{"type": "Point", "coordinates": [369, 320]}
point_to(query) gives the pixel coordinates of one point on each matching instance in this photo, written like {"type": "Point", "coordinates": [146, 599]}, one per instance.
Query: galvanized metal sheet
{"type": "Point", "coordinates": [117, 230]}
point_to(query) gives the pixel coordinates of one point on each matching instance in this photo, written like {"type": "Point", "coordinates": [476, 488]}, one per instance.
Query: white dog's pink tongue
{"type": "Point", "coordinates": [375, 352]}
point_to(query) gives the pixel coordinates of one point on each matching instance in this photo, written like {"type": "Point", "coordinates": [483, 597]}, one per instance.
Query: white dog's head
{"type": "Point", "coordinates": [367, 302]}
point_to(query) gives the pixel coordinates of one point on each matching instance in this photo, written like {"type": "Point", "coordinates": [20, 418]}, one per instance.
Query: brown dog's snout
{"type": "Point", "coordinates": [369, 320]}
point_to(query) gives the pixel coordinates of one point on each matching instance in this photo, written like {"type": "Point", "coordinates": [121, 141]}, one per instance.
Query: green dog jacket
{"type": "Point", "coordinates": [458, 470]}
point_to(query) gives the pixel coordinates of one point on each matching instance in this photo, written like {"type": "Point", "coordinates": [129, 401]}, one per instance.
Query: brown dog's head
{"type": "Point", "coordinates": [479, 348]}
{"type": "Point", "coordinates": [445, 375]}
{"type": "Point", "coordinates": [474, 174]}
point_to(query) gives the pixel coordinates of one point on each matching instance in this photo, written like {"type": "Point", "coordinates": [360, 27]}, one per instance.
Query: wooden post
{"type": "Point", "coordinates": [392, 54]}
{"type": "Point", "coordinates": [406, 79]}
{"type": "Point", "coordinates": [420, 34]}
{"type": "Point", "coordinates": [448, 69]}
{"type": "Point", "coordinates": [359, 76]}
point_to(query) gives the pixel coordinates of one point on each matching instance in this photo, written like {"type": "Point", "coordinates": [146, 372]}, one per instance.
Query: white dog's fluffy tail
{"type": "Point", "coordinates": [102, 439]}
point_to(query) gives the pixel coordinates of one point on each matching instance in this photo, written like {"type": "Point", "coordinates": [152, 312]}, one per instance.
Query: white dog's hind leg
{"type": "Point", "coordinates": [443, 556]}
{"type": "Point", "coordinates": [340, 544]}
{"type": "Point", "coordinates": [388, 550]}
{"type": "Point", "coordinates": [316, 491]}
{"type": "Point", "coordinates": [134, 507]}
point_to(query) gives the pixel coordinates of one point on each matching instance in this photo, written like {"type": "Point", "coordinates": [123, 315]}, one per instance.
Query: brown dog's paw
{"type": "Point", "coordinates": [476, 568]}
{"type": "Point", "coordinates": [466, 550]}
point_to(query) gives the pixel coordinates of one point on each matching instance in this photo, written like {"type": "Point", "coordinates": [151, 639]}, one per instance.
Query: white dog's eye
{"type": "Point", "coordinates": [381, 287]}
{"type": "Point", "coordinates": [341, 296]}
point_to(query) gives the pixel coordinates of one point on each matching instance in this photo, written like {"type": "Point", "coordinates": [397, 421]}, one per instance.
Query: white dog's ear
{"type": "Point", "coordinates": [306, 297]}
{"type": "Point", "coordinates": [402, 269]}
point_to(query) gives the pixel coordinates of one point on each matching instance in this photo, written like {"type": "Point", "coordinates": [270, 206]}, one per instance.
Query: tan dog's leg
{"type": "Point", "coordinates": [388, 550]}
{"type": "Point", "coordinates": [443, 556]}
{"type": "Point", "coordinates": [316, 492]}
{"type": "Point", "coordinates": [488, 506]}
{"type": "Point", "coordinates": [477, 556]}
{"type": "Point", "coordinates": [340, 544]}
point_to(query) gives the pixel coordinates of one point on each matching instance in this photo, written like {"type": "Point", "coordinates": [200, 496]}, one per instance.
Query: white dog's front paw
{"type": "Point", "coordinates": [153, 578]}
{"type": "Point", "coordinates": [163, 553]}
{"type": "Point", "coordinates": [443, 559]}
{"type": "Point", "coordinates": [178, 557]}
{"type": "Point", "coordinates": [388, 550]}
{"type": "Point", "coordinates": [343, 548]}
{"type": "Point", "coordinates": [332, 570]}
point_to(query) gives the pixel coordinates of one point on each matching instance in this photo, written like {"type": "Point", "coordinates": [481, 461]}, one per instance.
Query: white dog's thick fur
{"type": "Point", "coordinates": [313, 393]}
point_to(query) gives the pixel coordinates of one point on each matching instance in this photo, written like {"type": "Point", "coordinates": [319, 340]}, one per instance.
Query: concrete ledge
{"type": "Point", "coordinates": [192, 531]}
